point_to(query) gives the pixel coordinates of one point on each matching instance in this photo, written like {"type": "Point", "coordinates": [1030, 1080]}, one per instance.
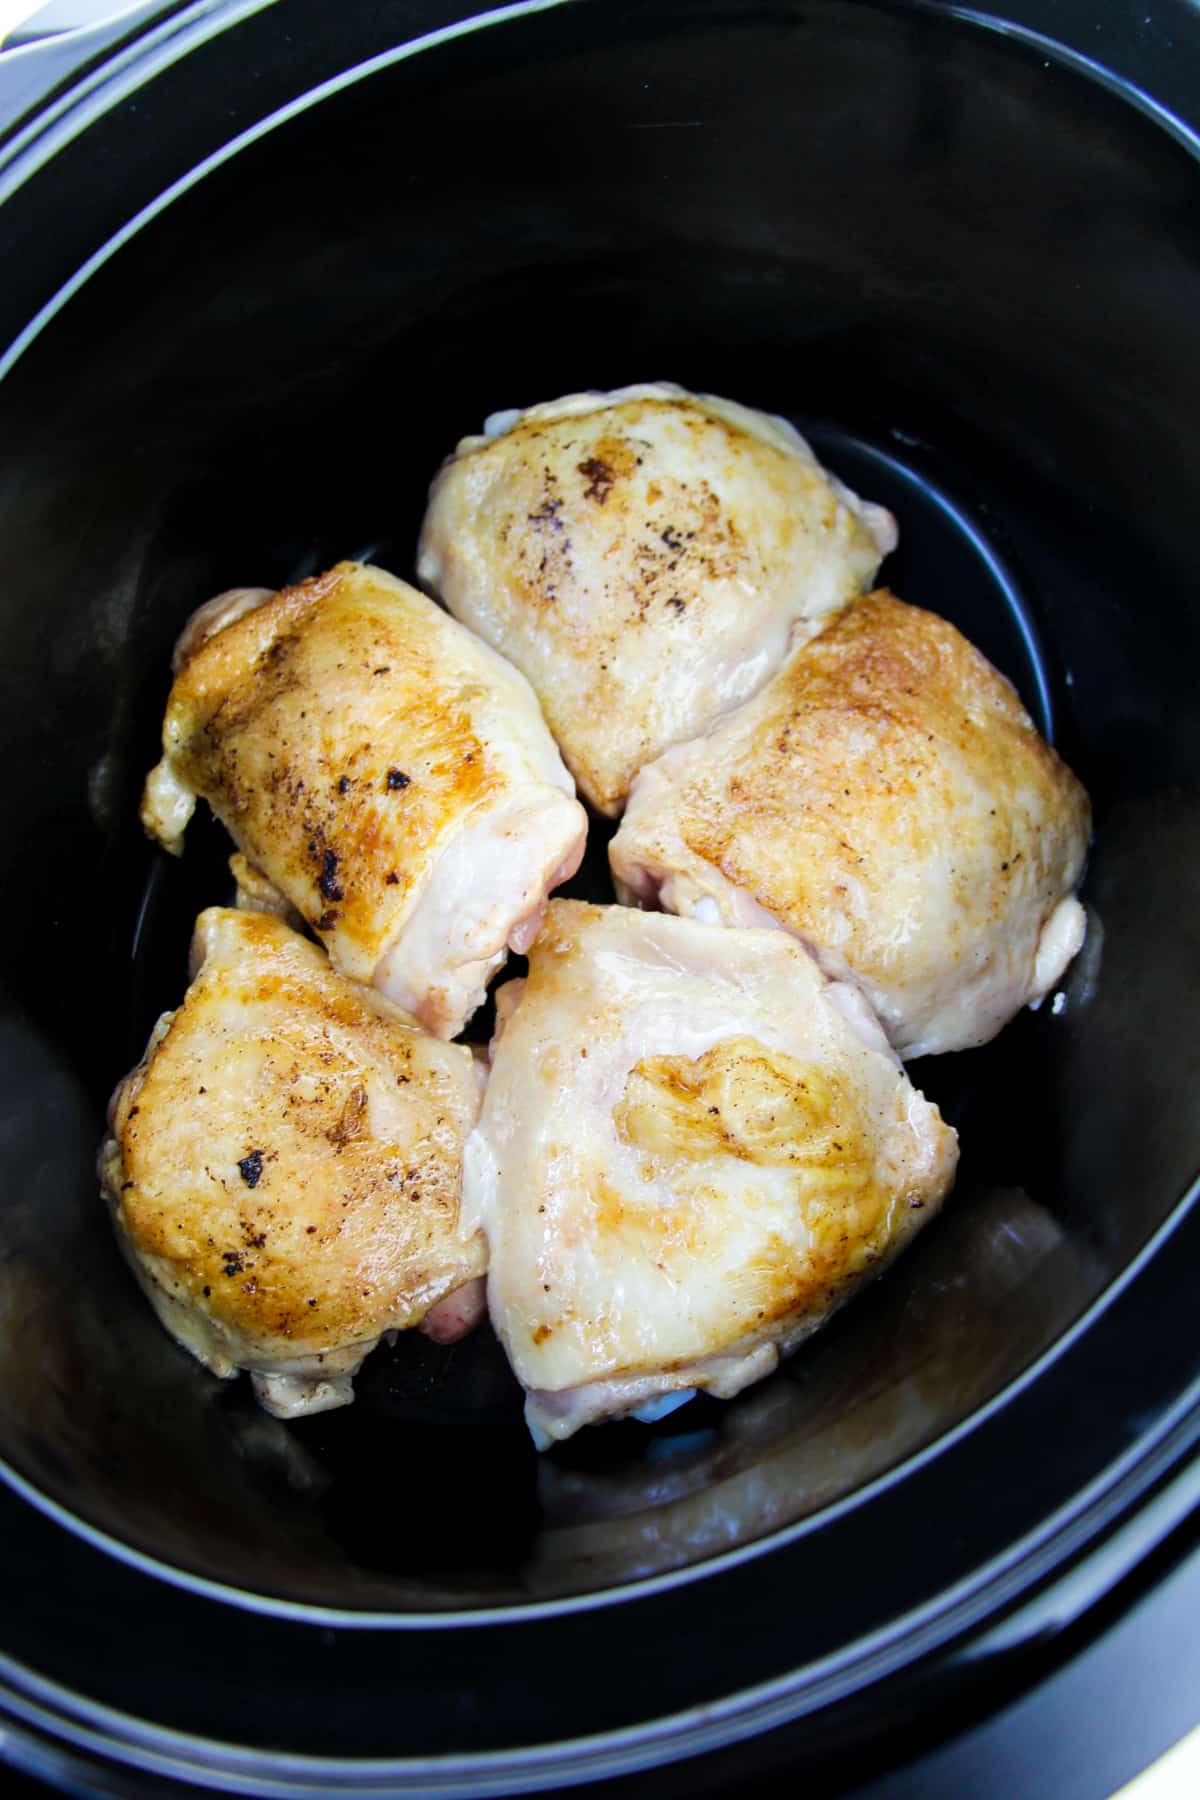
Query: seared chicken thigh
{"type": "Point", "coordinates": [284, 1168]}
{"type": "Point", "coordinates": [385, 771]}
{"type": "Point", "coordinates": [888, 800]}
{"type": "Point", "coordinates": [692, 1149]}
{"type": "Point", "coordinates": [643, 557]}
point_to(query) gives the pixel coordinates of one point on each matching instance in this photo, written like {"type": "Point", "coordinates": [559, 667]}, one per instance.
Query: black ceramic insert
{"type": "Point", "coordinates": [972, 274]}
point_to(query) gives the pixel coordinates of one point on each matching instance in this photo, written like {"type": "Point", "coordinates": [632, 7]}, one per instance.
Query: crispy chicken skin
{"type": "Point", "coordinates": [386, 772]}
{"type": "Point", "coordinates": [284, 1168]}
{"type": "Point", "coordinates": [692, 1149]}
{"type": "Point", "coordinates": [643, 556]}
{"type": "Point", "coordinates": [888, 800]}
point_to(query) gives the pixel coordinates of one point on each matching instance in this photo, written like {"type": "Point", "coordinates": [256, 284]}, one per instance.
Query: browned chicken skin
{"type": "Point", "coordinates": [887, 799]}
{"type": "Point", "coordinates": [643, 556]}
{"type": "Point", "coordinates": [384, 770]}
{"type": "Point", "coordinates": [692, 1149]}
{"type": "Point", "coordinates": [284, 1168]}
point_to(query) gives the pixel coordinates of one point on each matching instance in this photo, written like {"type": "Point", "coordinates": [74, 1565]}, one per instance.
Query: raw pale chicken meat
{"type": "Point", "coordinates": [385, 771]}
{"type": "Point", "coordinates": [284, 1168]}
{"type": "Point", "coordinates": [692, 1149]}
{"type": "Point", "coordinates": [643, 556]}
{"type": "Point", "coordinates": [887, 799]}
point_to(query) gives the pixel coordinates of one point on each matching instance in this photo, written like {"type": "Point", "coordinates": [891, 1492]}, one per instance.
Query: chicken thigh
{"type": "Point", "coordinates": [692, 1149]}
{"type": "Point", "coordinates": [385, 771]}
{"type": "Point", "coordinates": [888, 800]}
{"type": "Point", "coordinates": [284, 1168]}
{"type": "Point", "coordinates": [643, 557]}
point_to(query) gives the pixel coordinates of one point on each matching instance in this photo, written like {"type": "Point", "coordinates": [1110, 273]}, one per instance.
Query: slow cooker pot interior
{"type": "Point", "coordinates": [972, 275]}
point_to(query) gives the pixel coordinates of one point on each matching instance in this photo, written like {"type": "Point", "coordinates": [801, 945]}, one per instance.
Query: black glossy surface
{"type": "Point", "coordinates": [885, 224]}
{"type": "Point", "coordinates": [1114, 1694]}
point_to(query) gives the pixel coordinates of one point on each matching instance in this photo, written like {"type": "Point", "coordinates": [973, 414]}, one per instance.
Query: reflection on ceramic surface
{"type": "Point", "coordinates": [893, 1373]}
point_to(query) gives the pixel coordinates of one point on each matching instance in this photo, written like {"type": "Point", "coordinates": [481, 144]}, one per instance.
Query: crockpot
{"type": "Point", "coordinates": [263, 265]}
